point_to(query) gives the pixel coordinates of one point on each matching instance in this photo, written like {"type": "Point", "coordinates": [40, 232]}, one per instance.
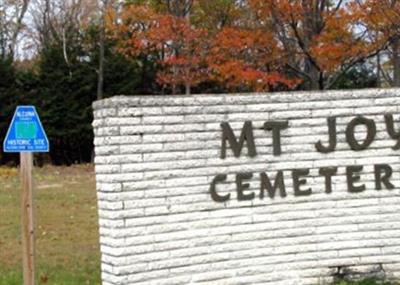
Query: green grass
{"type": "Point", "coordinates": [67, 250]}
{"type": "Point", "coordinates": [55, 275]}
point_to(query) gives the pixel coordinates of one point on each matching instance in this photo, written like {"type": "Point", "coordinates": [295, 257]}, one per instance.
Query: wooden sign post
{"type": "Point", "coordinates": [28, 228]}
{"type": "Point", "coordinates": [26, 136]}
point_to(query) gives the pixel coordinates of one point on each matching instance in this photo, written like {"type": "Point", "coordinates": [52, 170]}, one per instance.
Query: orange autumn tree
{"type": "Point", "coordinates": [249, 45]}
{"type": "Point", "coordinates": [241, 56]}
{"type": "Point", "coordinates": [177, 46]}
{"type": "Point", "coordinates": [213, 48]}
{"type": "Point", "coordinates": [184, 49]}
{"type": "Point", "coordinates": [381, 18]}
{"type": "Point", "coordinates": [130, 28]}
{"type": "Point", "coordinates": [216, 14]}
{"type": "Point", "coordinates": [321, 39]}
{"type": "Point", "coordinates": [247, 59]}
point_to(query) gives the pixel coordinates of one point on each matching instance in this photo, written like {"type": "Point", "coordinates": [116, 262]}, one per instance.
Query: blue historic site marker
{"type": "Point", "coordinates": [26, 133]}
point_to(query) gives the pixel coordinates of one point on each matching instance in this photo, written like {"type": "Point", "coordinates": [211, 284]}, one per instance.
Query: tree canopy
{"type": "Point", "coordinates": [62, 55]}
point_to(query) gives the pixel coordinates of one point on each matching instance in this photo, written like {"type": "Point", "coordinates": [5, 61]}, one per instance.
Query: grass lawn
{"type": "Point", "coordinates": [67, 250]}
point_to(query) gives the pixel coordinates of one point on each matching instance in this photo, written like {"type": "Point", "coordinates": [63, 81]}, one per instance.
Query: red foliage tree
{"type": "Point", "coordinates": [320, 39]}
{"type": "Point", "coordinates": [178, 46]}
{"type": "Point", "coordinates": [247, 58]}
{"type": "Point", "coordinates": [381, 20]}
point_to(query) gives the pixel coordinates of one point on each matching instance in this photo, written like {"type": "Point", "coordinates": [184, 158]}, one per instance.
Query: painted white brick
{"type": "Point", "coordinates": [140, 129]}
{"type": "Point", "coordinates": [140, 148]}
{"type": "Point", "coordinates": [106, 150]}
{"type": "Point", "coordinates": [122, 121]}
{"type": "Point", "coordinates": [121, 159]}
{"type": "Point", "coordinates": [104, 112]}
{"type": "Point", "coordinates": [159, 120]}
{"type": "Point", "coordinates": [130, 112]}
{"type": "Point", "coordinates": [106, 131]}
{"type": "Point", "coordinates": [157, 155]}
{"type": "Point", "coordinates": [108, 187]}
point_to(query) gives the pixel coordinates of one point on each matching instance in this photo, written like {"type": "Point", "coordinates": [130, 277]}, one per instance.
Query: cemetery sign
{"type": "Point", "coordinates": [274, 188]}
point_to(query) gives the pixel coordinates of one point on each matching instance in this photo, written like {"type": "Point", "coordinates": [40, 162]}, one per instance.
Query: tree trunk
{"type": "Point", "coordinates": [312, 26]}
{"type": "Point", "coordinates": [187, 89]}
{"type": "Point", "coordinates": [100, 80]}
{"type": "Point", "coordinates": [379, 71]}
{"type": "Point", "coordinates": [314, 76]}
{"type": "Point", "coordinates": [174, 87]}
{"type": "Point", "coordinates": [18, 27]}
{"type": "Point", "coordinates": [175, 74]}
{"type": "Point", "coordinates": [187, 16]}
{"type": "Point", "coordinates": [396, 61]}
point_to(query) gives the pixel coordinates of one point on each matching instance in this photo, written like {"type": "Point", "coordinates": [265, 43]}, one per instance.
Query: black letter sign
{"type": "Point", "coordinates": [276, 128]}
{"type": "Point", "coordinates": [352, 177]}
{"type": "Point", "coordinates": [240, 187]}
{"type": "Point", "coordinates": [298, 181]}
{"type": "Point", "coordinates": [271, 189]}
{"type": "Point", "coordinates": [246, 135]}
{"type": "Point", "coordinates": [332, 138]}
{"type": "Point", "coordinates": [380, 179]}
{"type": "Point", "coordinates": [214, 195]}
{"type": "Point", "coordinates": [390, 129]}
{"type": "Point", "coordinates": [350, 136]}
{"type": "Point", "coordinates": [328, 172]}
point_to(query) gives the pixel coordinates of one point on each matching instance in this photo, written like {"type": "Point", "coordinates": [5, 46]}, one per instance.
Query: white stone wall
{"type": "Point", "coordinates": [156, 157]}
